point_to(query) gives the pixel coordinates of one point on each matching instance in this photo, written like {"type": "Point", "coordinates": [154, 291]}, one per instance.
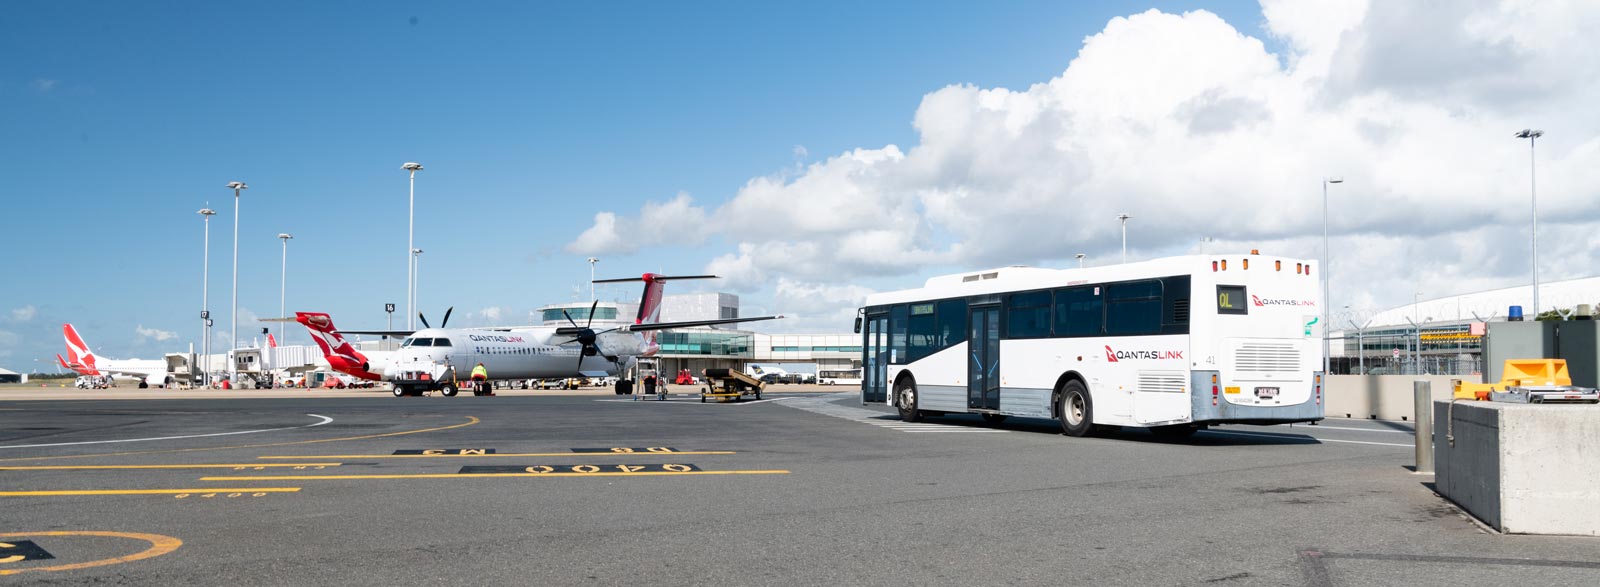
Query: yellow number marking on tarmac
{"type": "Point", "coordinates": [159, 545]}
{"type": "Point", "coordinates": [143, 491]}
{"type": "Point", "coordinates": [470, 421]}
{"type": "Point", "coordinates": [480, 475]}
{"type": "Point", "coordinates": [238, 466]}
{"type": "Point", "coordinates": [498, 455]}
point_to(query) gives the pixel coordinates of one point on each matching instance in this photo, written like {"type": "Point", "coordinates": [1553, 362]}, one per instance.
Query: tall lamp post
{"type": "Point", "coordinates": [416, 272]}
{"type": "Point", "coordinates": [233, 331]}
{"type": "Point", "coordinates": [205, 293]}
{"type": "Point", "coordinates": [1080, 257]}
{"type": "Point", "coordinates": [592, 261]}
{"type": "Point", "coordinates": [1326, 301]}
{"type": "Point", "coordinates": [1124, 218]}
{"type": "Point", "coordinates": [283, 280]}
{"type": "Point", "coordinates": [411, 223]}
{"type": "Point", "coordinates": [1533, 191]}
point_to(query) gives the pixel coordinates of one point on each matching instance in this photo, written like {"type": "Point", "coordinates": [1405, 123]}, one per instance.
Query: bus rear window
{"type": "Point", "coordinates": [1231, 300]}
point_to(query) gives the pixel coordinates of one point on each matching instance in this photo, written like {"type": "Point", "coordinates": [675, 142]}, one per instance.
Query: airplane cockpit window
{"type": "Point", "coordinates": [441, 342]}
{"type": "Point", "coordinates": [408, 341]}
{"type": "Point", "coordinates": [423, 342]}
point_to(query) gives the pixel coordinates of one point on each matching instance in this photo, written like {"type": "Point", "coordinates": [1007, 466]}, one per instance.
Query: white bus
{"type": "Point", "coordinates": [1173, 344]}
{"type": "Point", "coordinates": [839, 377]}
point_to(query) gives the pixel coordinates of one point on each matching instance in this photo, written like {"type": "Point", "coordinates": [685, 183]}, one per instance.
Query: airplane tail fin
{"type": "Point", "coordinates": [341, 355]}
{"type": "Point", "coordinates": [654, 285]}
{"type": "Point", "coordinates": [78, 352]}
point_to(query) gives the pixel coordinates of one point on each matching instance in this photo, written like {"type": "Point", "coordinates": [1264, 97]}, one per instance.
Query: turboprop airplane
{"type": "Point", "coordinates": [148, 372]}
{"type": "Point", "coordinates": [442, 358]}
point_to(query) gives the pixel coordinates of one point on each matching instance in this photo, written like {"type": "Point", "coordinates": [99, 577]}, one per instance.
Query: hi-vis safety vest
{"type": "Point", "coordinates": [479, 372]}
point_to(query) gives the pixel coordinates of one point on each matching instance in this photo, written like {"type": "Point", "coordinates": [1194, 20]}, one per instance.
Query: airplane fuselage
{"type": "Point", "coordinates": [532, 353]}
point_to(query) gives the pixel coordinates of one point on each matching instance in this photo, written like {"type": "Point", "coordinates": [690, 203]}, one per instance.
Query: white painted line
{"type": "Point", "coordinates": [1319, 439]}
{"type": "Point", "coordinates": [962, 431]}
{"type": "Point", "coordinates": [325, 420]}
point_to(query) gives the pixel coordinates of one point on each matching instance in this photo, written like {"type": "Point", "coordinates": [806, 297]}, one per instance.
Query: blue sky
{"type": "Point", "coordinates": [123, 119]}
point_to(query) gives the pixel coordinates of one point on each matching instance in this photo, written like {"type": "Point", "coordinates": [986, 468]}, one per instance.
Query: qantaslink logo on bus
{"type": "Point", "coordinates": [1113, 355]}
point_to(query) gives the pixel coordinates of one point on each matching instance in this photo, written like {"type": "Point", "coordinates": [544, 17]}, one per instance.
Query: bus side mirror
{"type": "Point", "coordinates": [858, 325]}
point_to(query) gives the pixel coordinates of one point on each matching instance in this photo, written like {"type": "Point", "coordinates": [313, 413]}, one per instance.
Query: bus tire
{"type": "Point", "coordinates": [448, 389]}
{"type": "Point", "coordinates": [905, 398]}
{"type": "Point", "coordinates": [1076, 409]}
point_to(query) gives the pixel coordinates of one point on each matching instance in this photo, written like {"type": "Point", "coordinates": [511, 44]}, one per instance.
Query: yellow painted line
{"type": "Point", "coordinates": [159, 545]}
{"type": "Point", "coordinates": [470, 421]}
{"type": "Point", "coordinates": [146, 491]}
{"type": "Point", "coordinates": [526, 454]}
{"type": "Point", "coordinates": [219, 466]}
{"type": "Point", "coordinates": [479, 475]}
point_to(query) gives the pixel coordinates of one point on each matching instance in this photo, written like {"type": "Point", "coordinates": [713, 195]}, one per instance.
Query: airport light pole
{"type": "Point", "coordinates": [283, 280]}
{"type": "Point", "coordinates": [205, 292]}
{"type": "Point", "coordinates": [411, 223]}
{"type": "Point", "coordinates": [1080, 257]}
{"type": "Point", "coordinates": [416, 272]}
{"type": "Point", "coordinates": [1326, 296]}
{"type": "Point", "coordinates": [592, 261]}
{"type": "Point", "coordinates": [1533, 191]}
{"type": "Point", "coordinates": [233, 331]}
{"type": "Point", "coordinates": [1124, 218]}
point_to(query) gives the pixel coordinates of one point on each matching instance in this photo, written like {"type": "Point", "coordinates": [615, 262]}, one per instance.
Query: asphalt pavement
{"type": "Point", "coordinates": [797, 489]}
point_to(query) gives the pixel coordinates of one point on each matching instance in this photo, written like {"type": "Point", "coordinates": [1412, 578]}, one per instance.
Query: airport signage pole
{"type": "Point", "coordinates": [205, 293]}
{"type": "Point", "coordinates": [283, 280]}
{"type": "Point", "coordinates": [233, 332]}
{"type": "Point", "coordinates": [1326, 300]}
{"type": "Point", "coordinates": [1124, 218]}
{"type": "Point", "coordinates": [411, 224]}
{"type": "Point", "coordinates": [389, 309]}
{"type": "Point", "coordinates": [1533, 191]}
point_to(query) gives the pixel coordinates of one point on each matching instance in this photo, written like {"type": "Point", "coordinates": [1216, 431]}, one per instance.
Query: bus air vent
{"type": "Point", "coordinates": [991, 275]}
{"type": "Point", "coordinates": [968, 278]}
{"type": "Point", "coordinates": [1180, 311]}
{"type": "Point", "coordinates": [1161, 381]}
{"type": "Point", "coordinates": [1267, 356]}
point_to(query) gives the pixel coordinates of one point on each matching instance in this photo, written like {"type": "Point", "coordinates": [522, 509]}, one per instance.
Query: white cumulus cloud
{"type": "Point", "coordinates": [1197, 129]}
{"type": "Point", "coordinates": [155, 334]}
{"type": "Point", "coordinates": [24, 313]}
{"type": "Point", "coordinates": [674, 222]}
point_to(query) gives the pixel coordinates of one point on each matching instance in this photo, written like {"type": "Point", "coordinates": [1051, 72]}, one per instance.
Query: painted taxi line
{"type": "Point", "coordinates": [234, 466]}
{"type": "Point", "coordinates": [526, 473]}
{"type": "Point", "coordinates": [59, 492]}
{"type": "Point", "coordinates": [15, 554]}
{"type": "Point", "coordinates": [493, 453]}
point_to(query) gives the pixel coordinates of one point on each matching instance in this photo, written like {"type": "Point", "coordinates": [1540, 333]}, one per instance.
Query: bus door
{"type": "Point", "coordinates": [983, 364]}
{"type": "Point", "coordinates": [875, 359]}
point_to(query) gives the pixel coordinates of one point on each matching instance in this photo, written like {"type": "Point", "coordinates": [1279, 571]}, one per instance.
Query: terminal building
{"type": "Point", "coordinates": [1444, 336]}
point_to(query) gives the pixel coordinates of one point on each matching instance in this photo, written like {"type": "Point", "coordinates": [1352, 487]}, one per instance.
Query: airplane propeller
{"type": "Point", "coordinates": [442, 324]}
{"type": "Point", "coordinates": [584, 335]}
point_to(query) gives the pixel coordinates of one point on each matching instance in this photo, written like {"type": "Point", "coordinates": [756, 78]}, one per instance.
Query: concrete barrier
{"type": "Point", "coordinates": [1521, 468]}
{"type": "Point", "coordinates": [1382, 397]}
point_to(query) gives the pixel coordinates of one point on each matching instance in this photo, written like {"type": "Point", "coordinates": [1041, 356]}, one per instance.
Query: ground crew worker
{"type": "Point", "coordinates": [480, 380]}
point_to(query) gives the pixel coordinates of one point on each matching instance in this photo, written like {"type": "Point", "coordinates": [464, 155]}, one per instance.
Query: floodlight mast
{"type": "Point", "coordinates": [233, 331]}
{"type": "Point", "coordinates": [411, 223]}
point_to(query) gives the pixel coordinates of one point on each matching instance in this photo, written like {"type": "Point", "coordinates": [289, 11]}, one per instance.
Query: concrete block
{"type": "Point", "coordinates": [1381, 397]}
{"type": "Point", "coordinates": [1521, 468]}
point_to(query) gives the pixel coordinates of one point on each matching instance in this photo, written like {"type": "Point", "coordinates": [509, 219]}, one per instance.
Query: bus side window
{"type": "Point", "coordinates": [923, 328]}
{"type": "Point", "coordinates": [1079, 311]}
{"type": "Point", "coordinates": [897, 335]}
{"type": "Point", "coordinates": [1028, 315]}
{"type": "Point", "coordinates": [952, 323]}
{"type": "Point", "coordinates": [1133, 307]}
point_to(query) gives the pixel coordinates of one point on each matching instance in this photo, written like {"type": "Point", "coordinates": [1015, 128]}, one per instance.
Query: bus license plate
{"type": "Point", "coordinates": [1266, 392]}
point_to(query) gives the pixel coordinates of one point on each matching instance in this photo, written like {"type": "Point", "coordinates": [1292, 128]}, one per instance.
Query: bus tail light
{"type": "Point", "coordinates": [1224, 264]}
{"type": "Point", "coordinates": [1317, 387]}
{"type": "Point", "coordinates": [1213, 266]}
{"type": "Point", "coordinates": [1214, 389]}
{"type": "Point", "coordinates": [1278, 265]}
{"type": "Point", "coordinates": [1298, 267]}
{"type": "Point", "coordinates": [1246, 263]}
{"type": "Point", "coordinates": [1308, 269]}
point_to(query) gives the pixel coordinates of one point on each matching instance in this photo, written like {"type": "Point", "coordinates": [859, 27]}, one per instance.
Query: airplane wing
{"type": "Point", "coordinates": [693, 323]}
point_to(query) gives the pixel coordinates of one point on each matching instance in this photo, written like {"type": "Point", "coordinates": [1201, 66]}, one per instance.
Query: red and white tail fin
{"type": "Point", "coordinates": [650, 303]}
{"type": "Point", "coordinates": [79, 356]}
{"type": "Point", "coordinates": [341, 355]}
{"type": "Point", "coordinates": [271, 342]}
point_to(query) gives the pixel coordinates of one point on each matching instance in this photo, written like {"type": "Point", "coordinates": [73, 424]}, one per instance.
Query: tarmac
{"type": "Point", "coordinates": [589, 488]}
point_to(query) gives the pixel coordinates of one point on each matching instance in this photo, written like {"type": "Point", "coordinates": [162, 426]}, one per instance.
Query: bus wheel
{"type": "Point", "coordinates": [1175, 432]}
{"type": "Point", "coordinates": [448, 389]}
{"type": "Point", "coordinates": [905, 398]}
{"type": "Point", "coordinates": [1077, 410]}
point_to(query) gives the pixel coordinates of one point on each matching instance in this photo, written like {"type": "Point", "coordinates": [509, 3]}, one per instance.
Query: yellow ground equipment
{"type": "Point", "coordinates": [1528, 381]}
{"type": "Point", "coordinates": [733, 385]}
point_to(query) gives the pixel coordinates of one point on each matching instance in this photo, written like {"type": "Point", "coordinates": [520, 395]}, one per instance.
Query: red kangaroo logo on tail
{"type": "Point", "coordinates": [340, 354]}
{"type": "Point", "coordinates": [79, 357]}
